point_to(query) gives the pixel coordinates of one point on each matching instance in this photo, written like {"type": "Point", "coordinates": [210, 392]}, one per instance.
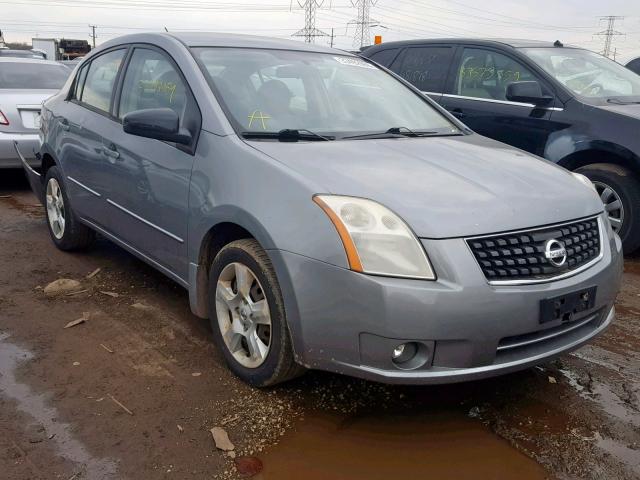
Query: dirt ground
{"type": "Point", "coordinates": [133, 391]}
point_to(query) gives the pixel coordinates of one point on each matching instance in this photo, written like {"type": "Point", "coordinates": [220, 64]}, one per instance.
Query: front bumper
{"type": "Point", "coordinates": [29, 144]}
{"type": "Point", "coordinates": [349, 323]}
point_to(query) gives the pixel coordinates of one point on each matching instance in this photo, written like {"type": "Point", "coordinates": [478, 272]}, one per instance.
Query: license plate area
{"type": "Point", "coordinates": [566, 307]}
{"type": "Point", "coordinates": [30, 118]}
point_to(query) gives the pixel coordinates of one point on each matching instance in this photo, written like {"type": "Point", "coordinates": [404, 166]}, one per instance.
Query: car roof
{"type": "Point", "coordinates": [514, 43]}
{"type": "Point", "coordinates": [28, 60]}
{"type": "Point", "coordinates": [213, 39]}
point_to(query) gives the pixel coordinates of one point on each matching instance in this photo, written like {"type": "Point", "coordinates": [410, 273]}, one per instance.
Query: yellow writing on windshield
{"type": "Point", "coordinates": [257, 115]}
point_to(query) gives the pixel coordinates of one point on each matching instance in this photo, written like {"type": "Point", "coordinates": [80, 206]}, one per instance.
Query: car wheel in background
{"type": "Point", "coordinates": [619, 190]}
{"type": "Point", "coordinates": [248, 316]}
{"type": "Point", "coordinates": [65, 229]}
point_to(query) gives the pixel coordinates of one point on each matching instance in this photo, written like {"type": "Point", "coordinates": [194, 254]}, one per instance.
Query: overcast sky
{"type": "Point", "coordinates": [571, 21]}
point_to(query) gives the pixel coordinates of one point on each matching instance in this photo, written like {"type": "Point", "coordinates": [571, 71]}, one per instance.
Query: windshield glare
{"type": "Point", "coordinates": [586, 73]}
{"type": "Point", "coordinates": [271, 90]}
{"type": "Point", "coordinates": [33, 76]}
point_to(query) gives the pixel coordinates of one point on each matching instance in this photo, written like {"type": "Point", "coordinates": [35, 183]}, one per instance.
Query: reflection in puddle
{"type": "Point", "coordinates": [35, 405]}
{"type": "Point", "coordinates": [395, 446]}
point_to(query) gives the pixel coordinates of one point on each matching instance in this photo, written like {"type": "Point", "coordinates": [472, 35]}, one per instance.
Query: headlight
{"type": "Point", "coordinates": [375, 239]}
{"type": "Point", "coordinates": [584, 180]}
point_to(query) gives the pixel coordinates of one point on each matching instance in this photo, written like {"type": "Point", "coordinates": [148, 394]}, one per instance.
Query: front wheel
{"type": "Point", "coordinates": [619, 190]}
{"type": "Point", "coordinates": [66, 231]}
{"type": "Point", "coordinates": [248, 316]}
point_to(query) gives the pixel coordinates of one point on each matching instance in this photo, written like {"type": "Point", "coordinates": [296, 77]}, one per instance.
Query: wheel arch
{"type": "Point", "coordinates": [604, 153]}
{"type": "Point", "coordinates": [231, 224]}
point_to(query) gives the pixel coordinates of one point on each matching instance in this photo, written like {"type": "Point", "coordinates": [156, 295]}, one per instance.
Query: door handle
{"type": "Point", "coordinates": [64, 123]}
{"type": "Point", "coordinates": [111, 152]}
{"type": "Point", "coordinates": [458, 113]}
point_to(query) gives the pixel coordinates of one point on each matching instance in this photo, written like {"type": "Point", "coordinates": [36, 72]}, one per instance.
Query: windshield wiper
{"type": "Point", "coordinates": [289, 135]}
{"type": "Point", "coordinates": [617, 101]}
{"type": "Point", "coordinates": [395, 132]}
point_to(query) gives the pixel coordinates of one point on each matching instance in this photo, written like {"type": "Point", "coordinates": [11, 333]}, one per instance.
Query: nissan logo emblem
{"type": "Point", "coordinates": [555, 252]}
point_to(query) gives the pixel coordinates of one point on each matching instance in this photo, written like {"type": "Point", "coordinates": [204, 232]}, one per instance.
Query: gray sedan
{"type": "Point", "coordinates": [24, 85]}
{"type": "Point", "coordinates": [322, 212]}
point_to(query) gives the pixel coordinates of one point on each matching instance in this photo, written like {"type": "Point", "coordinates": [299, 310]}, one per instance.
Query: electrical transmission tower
{"type": "Point", "coordinates": [609, 33]}
{"type": "Point", "coordinates": [310, 32]}
{"type": "Point", "coordinates": [363, 22]}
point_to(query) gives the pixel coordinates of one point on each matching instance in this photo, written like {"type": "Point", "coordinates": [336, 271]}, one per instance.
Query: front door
{"type": "Point", "coordinates": [478, 98]}
{"type": "Point", "coordinates": [150, 178]}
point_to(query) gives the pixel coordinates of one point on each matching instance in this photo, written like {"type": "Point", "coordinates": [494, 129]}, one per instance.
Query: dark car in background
{"type": "Point", "coordinates": [571, 106]}
{"type": "Point", "coordinates": [634, 65]}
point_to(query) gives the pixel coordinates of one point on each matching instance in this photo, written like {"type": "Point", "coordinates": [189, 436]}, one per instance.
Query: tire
{"type": "Point", "coordinates": [626, 187]}
{"type": "Point", "coordinates": [237, 308]}
{"type": "Point", "coordinates": [68, 234]}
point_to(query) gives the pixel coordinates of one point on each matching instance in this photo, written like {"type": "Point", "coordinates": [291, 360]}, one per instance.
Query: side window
{"type": "Point", "coordinates": [100, 79]}
{"type": "Point", "coordinates": [151, 81]}
{"type": "Point", "coordinates": [426, 67]}
{"type": "Point", "coordinates": [79, 84]}
{"type": "Point", "coordinates": [486, 74]}
{"type": "Point", "coordinates": [385, 57]}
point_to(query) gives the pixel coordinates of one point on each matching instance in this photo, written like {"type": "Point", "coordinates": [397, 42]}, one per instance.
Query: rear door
{"type": "Point", "coordinates": [149, 179]}
{"type": "Point", "coordinates": [80, 124]}
{"type": "Point", "coordinates": [426, 67]}
{"type": "Point", "coordinates": [477, 97]}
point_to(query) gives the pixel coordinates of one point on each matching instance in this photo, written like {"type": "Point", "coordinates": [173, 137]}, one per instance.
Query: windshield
{"type": "Point", "coordinates": [44, 76]}
{"type": "Point", "coordinates": [272, 90]}
{"type": "Point", "coordinates": [586, 73]}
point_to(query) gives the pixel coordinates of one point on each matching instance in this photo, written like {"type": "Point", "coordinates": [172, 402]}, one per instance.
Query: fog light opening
{"type": "Point", "coordinates": [404, 353]}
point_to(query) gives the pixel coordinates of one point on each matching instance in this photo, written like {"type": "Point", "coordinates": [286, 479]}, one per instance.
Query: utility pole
{"type": "Point", "coordinates": [609, 33]}
{"type": "Point", "coordinates": [363, 22]}
{"type": "Point", "coordinates": [310, 32]}
{"type": "Point", "coordinates": [93, 34]}
{"type": "Point", "coordinates": [332, 37]}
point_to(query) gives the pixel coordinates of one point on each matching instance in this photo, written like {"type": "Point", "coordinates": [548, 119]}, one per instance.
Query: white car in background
{"type": "Point", "coordinates": [25, 84]}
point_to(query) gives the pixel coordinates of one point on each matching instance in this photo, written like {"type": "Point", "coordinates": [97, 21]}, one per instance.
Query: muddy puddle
{"type": "Point", "coordinates": [45, 417]}
{"type": "Point", "coordinates": [388, 446]}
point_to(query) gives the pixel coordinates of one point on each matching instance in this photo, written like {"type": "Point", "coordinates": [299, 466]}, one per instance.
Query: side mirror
{"type": "Point", "coordinates": [527, 92]}
{"type": "Point", "coordinates": [159, 123]}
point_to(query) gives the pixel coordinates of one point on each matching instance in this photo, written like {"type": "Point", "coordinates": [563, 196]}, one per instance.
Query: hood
{"type": "Point", "coordinates": [632, 110]}
{"type": "Point", "coordinates": [443, 187]}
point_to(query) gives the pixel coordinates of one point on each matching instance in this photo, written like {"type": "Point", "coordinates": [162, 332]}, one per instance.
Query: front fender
{"type": "Point", "coordinates": [232, 182]}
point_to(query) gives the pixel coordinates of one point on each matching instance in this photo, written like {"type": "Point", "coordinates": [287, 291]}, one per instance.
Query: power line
{"type": "Point", "coordinates": [310, 32]}
{"type": "Point", "coordinates": [609, 33]}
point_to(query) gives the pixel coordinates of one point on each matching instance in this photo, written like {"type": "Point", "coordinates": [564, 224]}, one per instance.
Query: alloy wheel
{"type": "Point", "coordinates": [612, 205]}
{"type": "Point", "coordinates": [243, 315]}
{"type": "Point", "coordinates": [55, 208]}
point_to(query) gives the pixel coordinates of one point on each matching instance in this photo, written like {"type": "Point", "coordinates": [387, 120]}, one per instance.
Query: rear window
{"type": "Point", "coordinates": [32, 75]}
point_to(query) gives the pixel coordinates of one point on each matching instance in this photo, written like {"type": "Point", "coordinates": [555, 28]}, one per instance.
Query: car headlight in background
{"type": "Point", "coordinates": [375, 239]}
{"type": "Point", "coordinates": [585, 180]}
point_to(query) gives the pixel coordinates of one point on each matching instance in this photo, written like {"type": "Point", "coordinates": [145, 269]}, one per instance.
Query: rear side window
{"type": "Point", "coordinates": [385, 57]}
{"type": "Point", "coordinates": [426, 67]}
{"type": "Point", "coordinates": [101, 78]}
{"type": "Point", "coordinates": [33, 76]}
{"type": "Point", "coordinates": [79, 84]}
